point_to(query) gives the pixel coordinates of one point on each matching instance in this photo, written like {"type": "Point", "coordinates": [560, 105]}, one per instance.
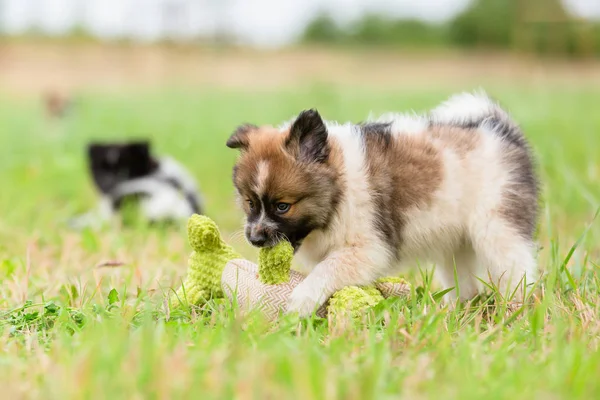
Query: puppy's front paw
{"type": "Point", "coordinates": [304, 301]}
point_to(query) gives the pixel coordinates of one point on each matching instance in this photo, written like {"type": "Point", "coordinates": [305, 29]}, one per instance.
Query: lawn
{"type": "Point", "coordinates": [71, 328]}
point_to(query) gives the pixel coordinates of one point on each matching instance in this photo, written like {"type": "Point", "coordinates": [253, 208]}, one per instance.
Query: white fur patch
{"type": "Point", "coordinates": [432, 232]}
{"type": "Point", "coordinates": [404, 123]}
{"type": "Point", "coordinates": [172, 169]}
{"type": "Point", "coordinates": [261, 177]}
{"type": "Point", "coordinates": [350, 252]}
{"type": "Point", "coordinates": [465, 108]}
{"type": "Point", "coordinates": [353, 224]}
{"type": "Point", "coordinates": [166, 203]}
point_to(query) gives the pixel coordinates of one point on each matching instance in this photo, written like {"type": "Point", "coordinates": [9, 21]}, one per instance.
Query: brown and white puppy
{"type": "Point", "coordinates": [455, 187]}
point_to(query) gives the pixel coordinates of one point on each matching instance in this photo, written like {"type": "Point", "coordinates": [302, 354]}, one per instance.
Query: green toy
{"type": "Point", "coordinates": [206, 263]}
{"type": "Point", "coordinates": [275, 263]}
{"type": "Point", "coordinates": [216, 270]}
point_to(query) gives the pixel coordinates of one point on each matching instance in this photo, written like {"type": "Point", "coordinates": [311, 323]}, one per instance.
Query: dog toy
{"type": "Point", "coordinates": [216, 270]}
{"type": "Point", "coordinates": [206, 263]}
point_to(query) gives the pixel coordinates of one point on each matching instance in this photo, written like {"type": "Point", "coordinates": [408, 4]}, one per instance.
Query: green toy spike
{"type": "Point", "coordinates": [275, 263]}
{"type": "Point", "coordinates": [353, 301]}
{"type": "Point", "coordinates": [206, 263]}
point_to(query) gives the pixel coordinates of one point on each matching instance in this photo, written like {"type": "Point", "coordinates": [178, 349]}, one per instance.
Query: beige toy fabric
{"type": "Point", "coordinates": [241, 285]}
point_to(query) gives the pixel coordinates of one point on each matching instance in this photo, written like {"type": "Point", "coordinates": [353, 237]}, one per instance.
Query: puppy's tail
{"type": "Point", "coordinates": [478, 110]}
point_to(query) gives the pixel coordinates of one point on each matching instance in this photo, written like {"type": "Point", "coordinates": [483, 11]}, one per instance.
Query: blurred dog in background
{"type": "Point", "coordinates": [122, 172]}
{"type": "Point", "coordinates": [56, 104]}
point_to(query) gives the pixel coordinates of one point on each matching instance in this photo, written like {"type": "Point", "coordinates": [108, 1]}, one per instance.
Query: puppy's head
{"type": "Point", "coordinates": [287, 180]}
{"type": "Point", "coordinates": [113, 163]}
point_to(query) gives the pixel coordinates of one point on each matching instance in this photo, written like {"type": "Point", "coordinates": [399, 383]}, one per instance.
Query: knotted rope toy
{"type": "Point", "coordinates": [215, 270]}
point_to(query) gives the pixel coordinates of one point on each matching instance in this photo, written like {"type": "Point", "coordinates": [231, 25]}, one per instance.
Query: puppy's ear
{"type": "Point", "coordinates": [139, 149]}
{"type": "Point", "coordinates": [239, 138]}
{"type": "Point", "coordinates": [95, 150]}
{"type": "Point", "coordinates": [140, 155]}
{"type": "Point", "coordinates": [308, 138]}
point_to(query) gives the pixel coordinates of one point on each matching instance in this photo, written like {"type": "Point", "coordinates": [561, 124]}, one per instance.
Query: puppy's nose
{"type": "Point", "coordinates": [258, 240]}
{"type": "Point", "coordinates": [258, 236]}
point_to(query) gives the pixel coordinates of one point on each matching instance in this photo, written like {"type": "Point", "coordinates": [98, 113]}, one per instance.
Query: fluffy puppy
{"type": "Point", "coordinates": [163, 188]}
{"type": "Point", "coordinates": [455, 187]}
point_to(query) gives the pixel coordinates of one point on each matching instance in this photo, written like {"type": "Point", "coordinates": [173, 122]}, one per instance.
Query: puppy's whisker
{"type": "Point", "coordinates": [283, 236]}
{"type": "Point", "coordinates": [237, 235]}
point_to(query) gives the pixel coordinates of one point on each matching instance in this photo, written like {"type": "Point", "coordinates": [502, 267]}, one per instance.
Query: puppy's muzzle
{"type": "Point", "coordinates": [260, 236]}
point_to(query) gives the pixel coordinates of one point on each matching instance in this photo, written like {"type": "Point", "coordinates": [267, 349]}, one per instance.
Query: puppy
{"type": "Point", "coordinates": [456, 188]}
{"type": "Point", "coordinates": [124, 171]}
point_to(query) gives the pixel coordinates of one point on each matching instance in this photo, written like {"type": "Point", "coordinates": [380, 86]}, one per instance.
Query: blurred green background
{"type": "Point", "coordinates": [186, 83]}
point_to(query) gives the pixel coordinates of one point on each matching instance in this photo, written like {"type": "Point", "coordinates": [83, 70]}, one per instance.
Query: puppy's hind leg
{"type": "Point", "coordinates": [459, 268]}
{"type": "Point", "coordinates": [506, 257]}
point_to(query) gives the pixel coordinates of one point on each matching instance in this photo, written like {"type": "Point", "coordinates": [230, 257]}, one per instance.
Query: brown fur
{"type": "Point", "coordinates": [461, 140]}
{"type": "Point", "coordinates": [404, 172]}
{"type": "Point", "coordinates": [312, 189]}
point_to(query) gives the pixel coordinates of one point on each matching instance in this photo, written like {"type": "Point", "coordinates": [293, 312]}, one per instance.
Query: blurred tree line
{"type": "Point", "coordinates": [535, 26]}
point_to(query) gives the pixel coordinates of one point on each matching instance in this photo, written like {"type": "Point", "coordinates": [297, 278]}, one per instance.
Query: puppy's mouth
{"type": "Point", "coordinates": [272, 242]}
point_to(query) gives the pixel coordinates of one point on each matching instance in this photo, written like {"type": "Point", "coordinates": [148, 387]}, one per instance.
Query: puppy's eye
{"type": "Point", "coordinates": [282, 208]}
{"type": "Point", "coordinates": [250, 204]}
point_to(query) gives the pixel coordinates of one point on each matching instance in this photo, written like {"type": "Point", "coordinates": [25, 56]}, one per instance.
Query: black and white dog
{"type": "Point", "coordinates": [163, 188]}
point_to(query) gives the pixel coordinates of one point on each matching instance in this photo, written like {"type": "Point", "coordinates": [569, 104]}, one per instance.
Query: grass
{"type": "Point", "coordinates": [71, 328]}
